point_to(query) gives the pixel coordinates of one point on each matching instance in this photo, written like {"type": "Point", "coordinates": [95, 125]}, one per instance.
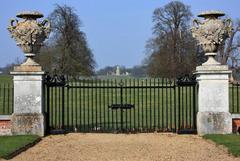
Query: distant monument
{"type": "Point", "coordinates": [118, 71]}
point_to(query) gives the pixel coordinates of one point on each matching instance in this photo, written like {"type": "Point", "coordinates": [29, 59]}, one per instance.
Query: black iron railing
{"type": "Point", "coordinates": [6, 98]}
{"type": "Point", "coordinates": [120, 104]}
{"type": "Point", "coordinates": [234, 97]}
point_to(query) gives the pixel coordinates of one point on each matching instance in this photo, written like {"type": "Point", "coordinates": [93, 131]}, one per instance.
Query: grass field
{"type": "Point", "coordinates": [232, 142]}
{"type": "Point", "coordinates": [10, 144]}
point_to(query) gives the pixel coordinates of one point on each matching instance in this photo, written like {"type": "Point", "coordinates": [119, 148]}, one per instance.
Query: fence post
{"type": "Point", "coordinates": [213, 101]}
{"type": "Point", "coordinates": [213, 115]}
{"type": "Point", "coordinates": [28, 115]}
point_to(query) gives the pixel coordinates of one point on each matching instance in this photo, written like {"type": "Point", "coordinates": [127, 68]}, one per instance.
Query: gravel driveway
{"type": "Point", "coordinates": [123, 147]}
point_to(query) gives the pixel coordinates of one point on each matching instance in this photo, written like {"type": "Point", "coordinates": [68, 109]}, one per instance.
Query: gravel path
{"type": "Point", "coordinates": [123, 147]}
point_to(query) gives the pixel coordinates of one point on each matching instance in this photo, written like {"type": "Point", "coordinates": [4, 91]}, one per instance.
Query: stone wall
{"type": "Point", "coordinates": [5, 125]}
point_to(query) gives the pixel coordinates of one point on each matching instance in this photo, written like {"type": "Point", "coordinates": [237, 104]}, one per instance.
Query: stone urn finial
{"type": "Point", "coordinates": [211, 32]}
{"type": "Point", "coordinates": [29, 33]}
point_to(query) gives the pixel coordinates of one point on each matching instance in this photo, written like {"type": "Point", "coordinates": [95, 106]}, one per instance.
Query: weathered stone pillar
{"type": "Point", "coordinates": [213, 100]}
{"type": "Point", "coordinates": [28, 117]}
{"type": "Point", "coordinates": [213, 78]}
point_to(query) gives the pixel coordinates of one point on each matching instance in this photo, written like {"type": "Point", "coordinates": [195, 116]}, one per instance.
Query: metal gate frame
{"type": "Point", "coordinates": [62, 115]}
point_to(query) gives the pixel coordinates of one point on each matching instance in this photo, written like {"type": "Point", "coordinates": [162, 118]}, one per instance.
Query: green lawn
{"type": "Point", "coordinates": [232, 142]}
{"type": "Point", "coordinates": [10, 144]}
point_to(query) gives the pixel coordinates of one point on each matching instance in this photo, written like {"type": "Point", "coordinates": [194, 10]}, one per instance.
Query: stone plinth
{"type": "Point", "coordinates": [28, 115]}
{"type": "Point", "coordinates": [213, 100]}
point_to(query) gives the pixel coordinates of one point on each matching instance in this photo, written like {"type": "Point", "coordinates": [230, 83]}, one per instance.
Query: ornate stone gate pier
{"type": "Point", "coordinates": [28, 117]}
{"type": "Point", "coordinates": [213, 98]}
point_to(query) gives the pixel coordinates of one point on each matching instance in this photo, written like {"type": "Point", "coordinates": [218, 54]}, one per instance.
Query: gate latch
{"type": "Point", "coordinates": [121, 106]}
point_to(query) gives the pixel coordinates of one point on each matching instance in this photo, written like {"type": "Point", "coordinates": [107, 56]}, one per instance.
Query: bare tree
{"type": "Point", "coordinates": [229, 52]}
{"type": "Point", "coordinates": [172, 50]}
{"type": "Point", "coordinates": [67, 46]}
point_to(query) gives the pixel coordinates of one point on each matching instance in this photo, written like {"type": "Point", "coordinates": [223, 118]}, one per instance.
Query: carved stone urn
{"type": "Point", "coordinates": [29, 34]}
{"type": "Point", "coordinates": [210, 33]}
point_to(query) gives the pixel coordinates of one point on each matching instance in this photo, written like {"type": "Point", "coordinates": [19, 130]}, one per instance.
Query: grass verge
{"type": "Point", "coordinates": [11, 146]}
{"type": "Point", "coordinates": [232, 142]}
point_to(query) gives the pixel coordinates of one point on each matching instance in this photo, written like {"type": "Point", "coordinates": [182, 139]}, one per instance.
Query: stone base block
{"type": "Point", "coordinates": [30, 123]}
{"type": "Point", "coordinates": [214, 123]}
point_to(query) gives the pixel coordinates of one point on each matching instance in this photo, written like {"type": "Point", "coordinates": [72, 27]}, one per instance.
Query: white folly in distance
{"type": "Point", "coordinates": [213, 78]}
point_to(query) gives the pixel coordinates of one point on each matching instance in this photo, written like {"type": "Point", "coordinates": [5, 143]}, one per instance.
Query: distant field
{"type": "Point", "coordinates": [6, 79]}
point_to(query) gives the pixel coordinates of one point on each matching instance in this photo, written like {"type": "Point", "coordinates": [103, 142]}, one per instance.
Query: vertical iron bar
{"type": "Point", "coordinates": [8, 98]}
{"type": "Point", "coordinates": [80, 105]}
{"type": "Point", "coordinates": [146, 105]}
{"type": "Point", "coordinates": [175, 107]}
{"type": "Point", "coordinates": [76, 101]}
{"type": "Point", "coordinates": [150, 106]}
{"type": "Point", "coordinates": [158, 103]}
{"type": "Point", "coordinates": [72, 106]}
{"type": "Point", "coordinates": [166, 104]}
{"type": "Point", "coordinates": [4, 97]}
{"type": "Point", "coordinates": [108, 104]}
{"type": "Point", "coordinates": [96, 103]}
{"type": "Point", "coordinates": [194, 107]}
{"type": "Point", "coordinates": [125, 101]}
{"type": "Point", "coordinates": [179, 104]}
{"type": "Point", "coordinates": [190, 107]}
{"type": "Point", "coordinates": [1, 97]}
{"type": "Point", "coordinates": [48, 109]}
{"type": "Point", "coordinates": [59, 108]}
{"type": "Point", "coordinates": [121, 95]}
{"type": "Point", "coordinates": [88, 104]}
{"type": "Point", "coordinates": [112, 103]}
{"type": "Point", "coordinates": [12, 99]}
{"type": "Point", "coordinates": [130, 93]}
{"type": "Point", "coordinates": [182, 93]}
{"type": "Point", "coordinates": [134, 102]}
{"type": "Point", "coordinates": [68, 106]}
{"type": "Point", "coordinates": [233, 104]}
{"type": "Point", "coordinates": [63, 107]}
{"type": "Point", "coordinates": [162, 104]}
{"type": "Point", "coordinates": [237, 99]}
{"type": "Point", "coordinates": [138, 103]}
{"type": "Point", "coordinates": [116, 111]}
{"type": "Point", "coordinates": [170, 104]}
{"type": "Point", "coordinates": [92, 108]}
{"type": "Point", "coordinates": [56, 106]}
{"type": "Point", "coordinates": [100, 102]}
{"type": "Point", "coordinates": [104, 119]}
{"type": "Point", "coordinates": [154, 101]}
{"type": "Point", "coordinates": [186, 95]}
{"type": "Point", "coordinates": [142, 106]}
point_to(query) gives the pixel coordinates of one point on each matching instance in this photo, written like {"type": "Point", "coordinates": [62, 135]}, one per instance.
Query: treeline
{"type": "Point", "coordinates": [67, 51]}
{"type": "Point", "coordinates": [172, 51]}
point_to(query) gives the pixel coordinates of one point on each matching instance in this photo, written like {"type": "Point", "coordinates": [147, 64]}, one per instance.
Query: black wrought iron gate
{"type": "Point", "coordinates": [120, 105]}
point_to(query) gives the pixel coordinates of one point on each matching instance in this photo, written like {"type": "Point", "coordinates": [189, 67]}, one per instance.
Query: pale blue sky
{"type": "Point", "coordinates": [116, 30]}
